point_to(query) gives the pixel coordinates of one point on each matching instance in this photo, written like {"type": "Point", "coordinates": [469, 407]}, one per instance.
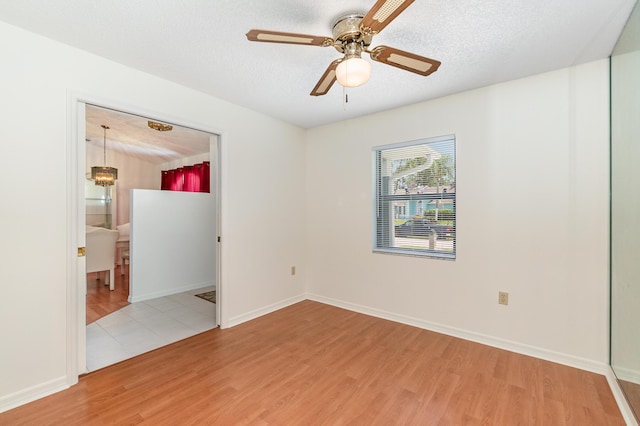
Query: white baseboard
{"type": "Point", "coordinates": [25, 396]}
{"type": "Point", "coordinates": [521, 348]}
{"type": "Point", "coordinates": [168, 292]}
{"type": "Point", "coordinates": [627, 374]}
{"type": "Point", "coordinates": [626, 411]}
{"type": "Point", "coordinates": [263, 311]}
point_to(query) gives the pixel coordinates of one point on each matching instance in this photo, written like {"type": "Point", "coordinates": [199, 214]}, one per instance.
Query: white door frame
{"type": "Point", "coordinates": [76, 266]}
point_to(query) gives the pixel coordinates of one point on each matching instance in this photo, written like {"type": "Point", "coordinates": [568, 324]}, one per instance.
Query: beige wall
{"type": "Point", "coordinates": [532, 211]}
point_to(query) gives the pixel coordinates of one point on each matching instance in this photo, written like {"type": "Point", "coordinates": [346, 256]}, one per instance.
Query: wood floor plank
{"type": "Point", "coordinates": [312, 363]}
{"type": "Point", "coordinates": [100, 300]}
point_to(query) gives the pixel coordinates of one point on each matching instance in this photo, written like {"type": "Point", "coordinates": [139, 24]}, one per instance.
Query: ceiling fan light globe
{"type": "Point", "coordinates": [353, 72]}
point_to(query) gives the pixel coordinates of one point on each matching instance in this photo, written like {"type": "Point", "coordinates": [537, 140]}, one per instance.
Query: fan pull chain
{"type": "Point", "coordinates": [345, 98]}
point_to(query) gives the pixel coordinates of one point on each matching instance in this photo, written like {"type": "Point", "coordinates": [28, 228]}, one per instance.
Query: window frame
{"type": "Point", "coordinates": [380, 200]}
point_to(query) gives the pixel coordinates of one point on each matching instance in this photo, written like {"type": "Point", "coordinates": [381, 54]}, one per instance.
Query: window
{"type": "Point", "coordinates": [415, 198]}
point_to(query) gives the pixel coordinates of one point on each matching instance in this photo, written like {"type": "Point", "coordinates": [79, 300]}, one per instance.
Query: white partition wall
{"type": "Point", "coordinates": [173, 243]}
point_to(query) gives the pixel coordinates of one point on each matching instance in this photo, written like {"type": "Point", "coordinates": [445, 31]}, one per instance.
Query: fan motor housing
{"type": "Point", "coordinates": [347, 28]}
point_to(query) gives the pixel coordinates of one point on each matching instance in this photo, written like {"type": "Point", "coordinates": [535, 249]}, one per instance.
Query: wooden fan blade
{"type": "Point", "coordinates": [327, 79]}
{"type": "Point", "coordinates": [381, 14]}
{"type": "Point", "coordinates": [405, 60]}
{"type": "Point", "coordinates": [289, 38]}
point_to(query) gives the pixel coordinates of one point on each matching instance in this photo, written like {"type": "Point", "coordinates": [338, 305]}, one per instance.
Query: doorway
{"type": "Point", "coordinates": [144, 160]}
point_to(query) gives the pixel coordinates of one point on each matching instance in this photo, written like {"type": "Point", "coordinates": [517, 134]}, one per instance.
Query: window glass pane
{"type": "Point", "coordinates": [415, 198]}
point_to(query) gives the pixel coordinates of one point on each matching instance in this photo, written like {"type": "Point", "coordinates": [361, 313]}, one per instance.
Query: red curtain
{"type": "Point", "coordinates": [178, 180]}
{"type": "Point", "coordinates": [166, 179]}
{"type": "Point", "coordinates": [205, 182]}
{"type": "Point", "coordinates": [191, 178]}
{"type": "Point", "coordinates": [194, 178]}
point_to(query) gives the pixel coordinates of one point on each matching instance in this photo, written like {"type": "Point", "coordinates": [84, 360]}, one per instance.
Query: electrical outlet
{"type": "Point", "coordinates": [503, 298]}
{"type": "Point", "coordinates": [293, 270]}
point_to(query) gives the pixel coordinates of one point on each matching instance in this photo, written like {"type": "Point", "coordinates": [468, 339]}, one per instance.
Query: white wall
{"type": "Point", "coordinates": [186, 161]}
{"type": "Point", "coordinates": [540, 139]}
{"type": "Point", "coordinates": [262, 165]}
{"type": "Point", "coordinates": [532, 211]}
{"type": "Point", "coordinates": [625, 230]}
{"type": "Point", "coordinates": [173, 243]}
{"type": "Point", "coordinates": [132, 173]}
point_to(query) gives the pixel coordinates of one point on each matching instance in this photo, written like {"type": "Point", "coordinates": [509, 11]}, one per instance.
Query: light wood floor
{"type": "Point", "coordinates": [100, 300]}
{"type": "Point", "coordinates": [312, 363]}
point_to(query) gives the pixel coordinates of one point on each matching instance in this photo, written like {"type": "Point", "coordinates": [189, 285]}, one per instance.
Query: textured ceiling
{"type": "Point", "coordinates": [201, 44]}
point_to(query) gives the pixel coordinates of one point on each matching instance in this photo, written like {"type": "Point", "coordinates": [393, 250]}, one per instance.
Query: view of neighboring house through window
{"type": "Point", "coordinates": [415, 198]}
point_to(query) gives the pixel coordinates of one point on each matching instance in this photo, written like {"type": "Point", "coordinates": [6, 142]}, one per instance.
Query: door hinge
{"type": "Point", "coordinates": [218, 238]}
{"type": "Point", "coordinates": [82, 251]}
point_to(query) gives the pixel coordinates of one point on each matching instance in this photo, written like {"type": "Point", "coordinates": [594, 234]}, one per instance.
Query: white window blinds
{"type": "Point", "coordinates": [415, 198]}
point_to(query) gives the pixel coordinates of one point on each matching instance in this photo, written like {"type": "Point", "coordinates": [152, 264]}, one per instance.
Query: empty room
{"type": "Point", "coordinates": [421, 212]}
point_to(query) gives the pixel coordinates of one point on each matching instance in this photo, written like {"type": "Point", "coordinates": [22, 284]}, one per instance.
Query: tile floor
{"type": "Point", "coordinates": [144, 326]}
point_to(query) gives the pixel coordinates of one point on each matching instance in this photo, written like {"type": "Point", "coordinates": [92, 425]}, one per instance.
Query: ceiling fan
{"type": "Point", "coordinates": [352, 35]}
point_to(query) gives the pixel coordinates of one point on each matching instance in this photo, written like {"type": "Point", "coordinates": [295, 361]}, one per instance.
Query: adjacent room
{"type": "Point", "coordinates": [155, 179]}
{"type": "Point", "coordinates": [419, 212]}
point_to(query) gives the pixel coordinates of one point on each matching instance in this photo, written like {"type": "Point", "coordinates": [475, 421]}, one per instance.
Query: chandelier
{"type": "Point", "coordinates": [104, 175]}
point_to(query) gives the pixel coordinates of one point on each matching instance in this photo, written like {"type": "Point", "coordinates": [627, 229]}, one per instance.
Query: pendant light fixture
{"type": "Point", "coordinates": [104, 175]}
